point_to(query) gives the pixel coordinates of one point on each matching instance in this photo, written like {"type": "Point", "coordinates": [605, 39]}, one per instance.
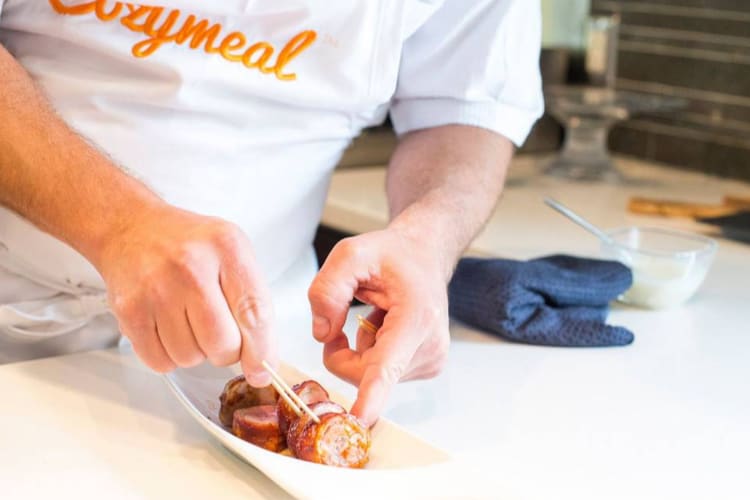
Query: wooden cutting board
{"type": "Point", "coordinates": [673, 208]}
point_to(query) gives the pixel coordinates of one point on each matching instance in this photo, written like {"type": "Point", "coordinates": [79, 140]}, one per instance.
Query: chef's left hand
{"type": "Point", "coordinates": [406, 282]}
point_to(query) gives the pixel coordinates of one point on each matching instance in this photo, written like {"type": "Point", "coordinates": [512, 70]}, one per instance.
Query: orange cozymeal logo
{"type": "Point", "coordinates": [162, 26]}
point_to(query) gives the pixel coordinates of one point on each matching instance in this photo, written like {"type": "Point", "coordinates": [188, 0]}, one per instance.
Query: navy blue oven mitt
{"type": "Point", "coordinates": [557, 300]}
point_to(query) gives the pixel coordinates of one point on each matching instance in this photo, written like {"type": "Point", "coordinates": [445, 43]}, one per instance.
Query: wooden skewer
{"type": "Point", "coordinates": [365, 324]}
{"type": "Point", "coordinates": [288, 394]}
{"type": "Point", "coordinates": [288, 400]}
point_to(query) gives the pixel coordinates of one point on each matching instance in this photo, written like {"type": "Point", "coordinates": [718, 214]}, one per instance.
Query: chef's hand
{"type": "Point", "coordinates": [406, 283]}
{"type": "Point", "coordinates": [184, 288]}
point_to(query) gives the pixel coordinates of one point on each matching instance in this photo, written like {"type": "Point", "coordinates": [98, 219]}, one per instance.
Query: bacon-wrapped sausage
{"type": "Point", "coordinates": [259, 425]}
{"type": "Point", "coordinates": [320, 408]}
{"type": "Point", "coordinates": [239, 394]}
{"type": "Point", "coordinates": [308, 391]}
{"type": "Point", "coordinates": [339, 440]}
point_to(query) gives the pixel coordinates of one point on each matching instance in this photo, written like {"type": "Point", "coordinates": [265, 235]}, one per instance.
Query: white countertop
{"type": "Point", "coordinates": [522, 226]}
{"type": "Point", "coordinates": [663, 418]}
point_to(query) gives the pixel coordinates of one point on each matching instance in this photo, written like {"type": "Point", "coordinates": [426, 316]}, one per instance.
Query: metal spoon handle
{"type": "Point", "coordinates": [578, 219]}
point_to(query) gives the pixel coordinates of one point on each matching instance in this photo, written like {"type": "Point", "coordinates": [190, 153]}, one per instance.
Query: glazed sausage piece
{"type": "Point", "coordinates": [319, 409]}
{"type": "Point", "coordinates": [308, 391]}
{"type": "Point", "coordinates": [259, 425]}
{"type": "Point", "coordinates": [239, 394]}
{"type": "Point", "coordinates": [339, 440]}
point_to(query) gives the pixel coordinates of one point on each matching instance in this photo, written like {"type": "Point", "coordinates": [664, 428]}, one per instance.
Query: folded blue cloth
{"type": "Point", "coordinates": [557, 300]}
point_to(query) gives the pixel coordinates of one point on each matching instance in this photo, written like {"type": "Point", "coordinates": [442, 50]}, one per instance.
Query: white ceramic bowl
{"type": "Point", "coordinates": [668, 266]}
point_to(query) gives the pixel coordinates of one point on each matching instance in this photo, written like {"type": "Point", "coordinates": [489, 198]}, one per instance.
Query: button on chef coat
{"type": "Point", "coordinates": [241, 109]}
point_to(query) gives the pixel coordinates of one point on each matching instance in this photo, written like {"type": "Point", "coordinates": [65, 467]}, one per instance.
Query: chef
{"type": "Point", "coordinates": [163, 170]}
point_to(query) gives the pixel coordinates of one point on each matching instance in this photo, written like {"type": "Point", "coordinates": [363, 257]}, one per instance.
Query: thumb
{"type": "Point", "coordinates": [612, 336]}
{"type": "Point", "coordinates": [333, 289]}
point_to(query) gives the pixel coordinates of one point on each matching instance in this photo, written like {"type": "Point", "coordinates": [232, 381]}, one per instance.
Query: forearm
{"type": "Point", "coordinates": [52, 177]}
{"type": "Point", "coordinates": [442, 185]}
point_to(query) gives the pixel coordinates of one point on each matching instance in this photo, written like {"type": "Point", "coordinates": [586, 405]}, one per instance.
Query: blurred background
{"type": "Point", "coordinates": [696, 50]}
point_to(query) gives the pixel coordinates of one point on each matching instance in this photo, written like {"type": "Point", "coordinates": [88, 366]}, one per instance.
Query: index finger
{"type": "Point", "coordinates": [378, 369]}
{"type": "Point", "coordinates": [249, 300]}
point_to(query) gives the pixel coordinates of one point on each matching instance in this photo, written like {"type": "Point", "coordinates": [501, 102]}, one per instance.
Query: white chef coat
{"type": "Point", "coordinates": [241, 109]}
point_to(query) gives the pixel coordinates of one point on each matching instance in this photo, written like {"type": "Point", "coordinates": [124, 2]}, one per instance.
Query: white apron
{"type": "Point", "coordinates": [236, 109]}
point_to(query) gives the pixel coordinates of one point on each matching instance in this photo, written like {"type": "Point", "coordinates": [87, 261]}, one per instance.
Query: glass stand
{"type": "Point", "coordinates": [588, 114]}
{"type": "Point", "coordinates": [584, 155]}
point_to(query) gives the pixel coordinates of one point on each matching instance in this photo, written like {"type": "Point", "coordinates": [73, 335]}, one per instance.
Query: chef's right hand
{"type": "Point", "coordinates": [186, 287]}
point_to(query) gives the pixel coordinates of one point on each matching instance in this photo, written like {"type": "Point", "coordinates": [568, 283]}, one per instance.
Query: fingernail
{"type": "Point", "coordinates": [371, 421]}
{"type": "Point", "coordinates": [321, 327]}
{"type": "Point", "coordinates": [259, 379]}
{"type": "Point", "coordinates": [248, 319]}
{"type": "Point", "coordinates": [368, 418]}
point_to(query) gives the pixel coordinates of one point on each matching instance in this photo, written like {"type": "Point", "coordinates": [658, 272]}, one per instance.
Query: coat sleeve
{"type": "Point", "coordinates": [473, 62]}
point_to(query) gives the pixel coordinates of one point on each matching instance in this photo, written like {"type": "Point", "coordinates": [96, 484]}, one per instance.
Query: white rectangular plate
{"type": "Point", "coordinates": [401, 465]}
